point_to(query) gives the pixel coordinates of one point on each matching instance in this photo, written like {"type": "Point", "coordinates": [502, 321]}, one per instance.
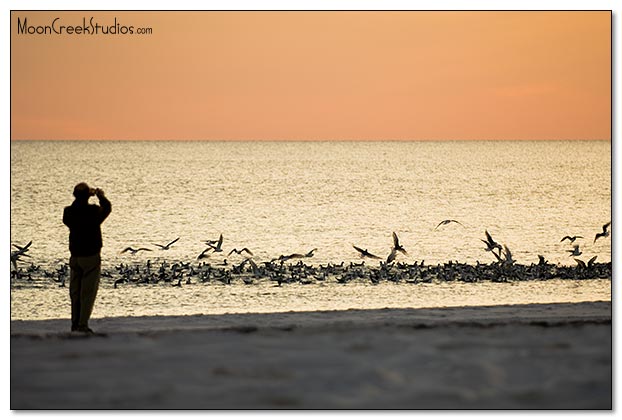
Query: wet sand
{"type": "Point", "coordinates": [540, 356]}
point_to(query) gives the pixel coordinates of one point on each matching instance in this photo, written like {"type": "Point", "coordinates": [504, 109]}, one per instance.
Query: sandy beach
{"type": "Point", "coordinates": [540, 356]}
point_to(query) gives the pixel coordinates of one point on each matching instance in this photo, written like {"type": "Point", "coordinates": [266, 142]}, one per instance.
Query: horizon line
{"type": "Point", "coordinates": [318, 140]}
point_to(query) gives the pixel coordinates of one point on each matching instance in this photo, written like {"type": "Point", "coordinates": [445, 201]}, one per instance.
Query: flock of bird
{"type": "Point", "coordinates": [278, 270]}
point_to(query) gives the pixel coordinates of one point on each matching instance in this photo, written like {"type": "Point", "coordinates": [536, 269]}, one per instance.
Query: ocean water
{"type": "Point", "coordinates": [279, 198]}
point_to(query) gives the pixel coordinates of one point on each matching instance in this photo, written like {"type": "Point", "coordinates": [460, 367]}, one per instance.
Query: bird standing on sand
{"type": "Point", "coordinates": [167, 246]}
{"type": "Point", "coordinates": [604, 233]}
{"type": "Point", "coordinates": [446, 222]}
{"type": "Point", "coordinates": [397, 246]}
{"type": "Point", "coordinates": [365, 254]}
{"type": "Point", "coordinates": [570, 238]}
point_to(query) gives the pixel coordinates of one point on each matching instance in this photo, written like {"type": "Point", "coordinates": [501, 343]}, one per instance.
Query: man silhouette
{"type": "Point", "coordinates": [85, 243]}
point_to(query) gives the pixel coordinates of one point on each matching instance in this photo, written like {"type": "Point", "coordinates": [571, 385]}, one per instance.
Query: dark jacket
{"type": "Point", "coordinates": [84, 220]}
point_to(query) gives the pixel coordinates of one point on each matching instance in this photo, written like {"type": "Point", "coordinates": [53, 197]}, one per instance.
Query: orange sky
{"type": "Point", "coordinates": [315, 76]}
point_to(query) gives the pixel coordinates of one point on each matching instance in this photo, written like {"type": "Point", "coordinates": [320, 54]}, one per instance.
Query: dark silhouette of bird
{"type": "Point", "coordinates": [21, 252]}
{"type": "Point", "coordinates": [491, 244]}
{"type": "Point", "coordinates": [167, 246]}
{"type": "Point", "coordinates": [397, 246]}
{"type": "Point", "coordinates": [604, 233]}
{"type": "Point", "coordinates": [446, 222]}
{"type": "Point", "coordinates": [508, 255]}
{"type": "Point", "coordinates": [310, 253]}
{"type": "Point", "coordinates": [204, 253]}
{"type": "Point", "coordinates": [134, 251]}
{"type": "Point", "coordinates": [590, 263]}
{"type": "Point", "coordinates": [239, 252]}
{"type": "Point", "coordinates": [22, 249]}
{"type": "Point", "coordinates": [570, 238]}
{"type": "Point", "coordinates": [575, 252]}
{"type": "Point", "coordinates": [218, 246]}
{"type": "Point", "coordinates": [365, 254]}
{"type": "Point", "coordinates": [392, 255]}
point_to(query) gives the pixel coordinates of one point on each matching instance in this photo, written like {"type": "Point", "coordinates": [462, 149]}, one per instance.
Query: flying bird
{"type": "Point", "coordinates": [491, 244]}
{"type": "Point", "coordinates": [203, 254]}
{"type": "Point", "coordinates": [22, 249]}
{"type": "Point", "coordinates": [570, 238]}
{"type": "Point", "coordinates": [446, 222]}
{"type": "Point", "coordinates": [392, 255]}
{"type": "Point", "coordinates": [508, 255]}
{"type": "Point", "coordinates": [397, 246]}
{"type": "Point", "coordinates": [134, 251]}
{"type": "Point", "coordinates": [218, 246]}
{"type": "Point", "coordinates": [248, 251]}
{"type": "Point", "coordinates": [365, 254]}
{"type": "Point", "coordinates": [167, 246]}
{"type": "Point", "coordinates": [575, 252]}
{"type": "Point", "coordinates": [310, 253]}
{"type": "Point", "coordinates": [604, 233]}
{"type": "Point", "coordinates": [21, 252]}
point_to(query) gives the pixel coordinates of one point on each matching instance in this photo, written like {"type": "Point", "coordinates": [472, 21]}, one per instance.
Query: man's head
{"type": "Point", "coordinates": [82, 191]}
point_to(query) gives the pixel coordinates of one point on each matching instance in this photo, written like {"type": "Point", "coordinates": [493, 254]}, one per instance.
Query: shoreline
{"type": "Point", "coordinates": [553, 313]}
{"type": "Point", "coordinates": [535, 356]}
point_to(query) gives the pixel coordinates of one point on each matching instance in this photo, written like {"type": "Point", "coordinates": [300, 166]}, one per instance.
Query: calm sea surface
{"type": "Point", "coordinates": [279, 198]}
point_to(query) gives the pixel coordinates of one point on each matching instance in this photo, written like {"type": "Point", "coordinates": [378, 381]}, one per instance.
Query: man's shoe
{"type": "Point", "coordinates": [85, 330]}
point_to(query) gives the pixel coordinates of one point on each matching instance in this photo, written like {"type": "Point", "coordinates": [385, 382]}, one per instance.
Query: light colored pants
{"type": "Point", "coordinates": [83, 285]}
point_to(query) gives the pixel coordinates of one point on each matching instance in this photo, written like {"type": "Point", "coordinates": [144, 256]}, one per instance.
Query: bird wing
{"type": "Point", "coordinates": [605, 226]}
{"type": "Point", "coordinates": [219, 241]}
{"type": "Point", "coordinates": [490, 240]}
{"type": "Point", "coordinates": [362, 251]}
{"type": "Point", "coordinates": [566, 237]}
{"type": "Point", "coordinates": [396, 241]}
{"type": "Point", "coordinates": [580, 263]}
{"type": "Point", "coordinates": [172, 242]}
{"type": "Point", "coordinates": [247, 250]}
{"type": "Point", "coordinates": [129, 248]}
{"type": "Point", "coordinates": [252, 263]}
{"type": "Point", "coordinates": [143, 249]}
{"type": "Point", "coordinates": [591, 261]}
{"type": "Point", "coordinates": [391, 256]}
